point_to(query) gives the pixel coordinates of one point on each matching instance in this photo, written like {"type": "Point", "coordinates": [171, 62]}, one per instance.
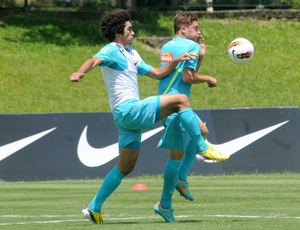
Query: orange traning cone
{"type": "Point", "coordinates": [139, 187]}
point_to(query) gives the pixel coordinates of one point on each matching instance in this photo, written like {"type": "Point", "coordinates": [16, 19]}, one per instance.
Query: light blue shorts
{"type": "Point", "coordinates": [133, 116]}
{"type": "Point", "coordinates": [174, 136]}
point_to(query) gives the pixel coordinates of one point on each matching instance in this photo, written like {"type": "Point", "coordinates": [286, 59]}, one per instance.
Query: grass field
{"type": "Point", "coordinates": [38, 54]}
{"type": "Point", "coordinates": [254, 201]}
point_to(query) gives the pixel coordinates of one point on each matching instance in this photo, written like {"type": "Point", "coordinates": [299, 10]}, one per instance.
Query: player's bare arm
{"type": "Point", "coordinates": [160, 73]}
{"type": "Point", "coordinates": [86, 67]}
{"type": "Point", "coordinates": [191, 77]}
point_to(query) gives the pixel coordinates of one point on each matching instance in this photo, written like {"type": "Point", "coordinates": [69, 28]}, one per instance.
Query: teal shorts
{"type": "Point", "coordinates": [174, 136]}
{"type": "Point", "coordinates": [133, 116]}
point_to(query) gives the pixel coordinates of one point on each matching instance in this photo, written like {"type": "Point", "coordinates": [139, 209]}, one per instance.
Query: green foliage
{"type": "Point", "coordinates": [61, 5]}
{"type": "Point", "coordinates": [295, 2]}
{"type": "Point", "coordinates": [38, 54]}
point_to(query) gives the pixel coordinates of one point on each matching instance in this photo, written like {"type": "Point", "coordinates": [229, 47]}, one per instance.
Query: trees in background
{"type": "Point", "coordinates": [160, 5]}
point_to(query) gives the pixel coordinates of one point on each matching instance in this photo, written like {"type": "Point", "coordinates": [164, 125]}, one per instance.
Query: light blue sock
{"type": "Point", "coordinates": [190, 123]}
{"type": "Point", "coordinates": [111, 181]}
{"type": "Point", "coordinates": [188, 160]}
{"type": "Point", "coordinates": [170, 180]}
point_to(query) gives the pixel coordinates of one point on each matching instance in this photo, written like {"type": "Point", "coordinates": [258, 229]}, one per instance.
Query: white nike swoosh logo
{"type": "Point", "coordinates": [9, 149]}
{"type": "Point", "coordinates": [237, 144]}
{"type": "Point", "coordinates": [93, 157]}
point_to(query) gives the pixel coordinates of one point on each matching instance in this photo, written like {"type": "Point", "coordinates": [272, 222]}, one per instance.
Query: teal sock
{"type": "Point", "coordinates": [188, 160]}
{"type": "Point", "coordinates": [111, 181]}
{"type": "Point", "coordinates": [170, 180]}
{"type": "Point", "coordinates": [190, 123]}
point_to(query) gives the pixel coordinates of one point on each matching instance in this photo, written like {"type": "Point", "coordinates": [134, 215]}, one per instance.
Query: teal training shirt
{"type": "Point", "coordinates": [173, 83]}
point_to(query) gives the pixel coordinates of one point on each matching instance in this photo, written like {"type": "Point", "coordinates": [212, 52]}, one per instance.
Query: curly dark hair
{"type": "Point", "coordinates": [114, 23]}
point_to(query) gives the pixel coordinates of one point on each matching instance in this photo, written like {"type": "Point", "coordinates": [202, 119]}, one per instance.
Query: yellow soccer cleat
{"type": "Point", "coordinates": [95, 217]}
{"type": "Point", "coordinates": [211, 154]}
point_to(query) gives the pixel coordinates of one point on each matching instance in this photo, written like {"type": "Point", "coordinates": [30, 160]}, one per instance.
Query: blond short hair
{"type": "Point", "coordinates": [183, 19]}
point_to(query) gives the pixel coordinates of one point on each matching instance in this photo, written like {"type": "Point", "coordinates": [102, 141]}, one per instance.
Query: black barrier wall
{"type": "Point", "coordinates": [84, 145]}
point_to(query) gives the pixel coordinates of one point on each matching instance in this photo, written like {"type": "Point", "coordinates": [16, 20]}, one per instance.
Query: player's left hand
{"type": "Point", "coordinates": [212, 82]}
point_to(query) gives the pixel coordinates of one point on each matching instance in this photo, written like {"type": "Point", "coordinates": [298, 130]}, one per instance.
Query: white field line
{"type": "Point", "coordinates": [255, 217]}
{"type": "Point", "coordinates": [76, 218]}
{"type": "Point", "coordinates": [39, 222]}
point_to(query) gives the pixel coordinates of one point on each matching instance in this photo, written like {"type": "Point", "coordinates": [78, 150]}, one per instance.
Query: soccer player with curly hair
{"type": "Point", "coordinates": [120, 64]}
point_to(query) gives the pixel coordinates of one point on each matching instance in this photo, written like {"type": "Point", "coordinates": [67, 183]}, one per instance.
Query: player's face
{"type": "Point", "coordinates": [128, 36]}
{"type": "Point", "coordinates": [192, 32]}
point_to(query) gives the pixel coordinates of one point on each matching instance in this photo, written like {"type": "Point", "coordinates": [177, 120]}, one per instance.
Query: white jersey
{"type": "Point", "coordinates": [120, 67]}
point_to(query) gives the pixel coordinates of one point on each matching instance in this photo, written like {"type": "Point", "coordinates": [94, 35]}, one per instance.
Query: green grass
{"type": "Point", "coordinates": [39, 53]}
{"type": "Point", "coordinates": [253, 201]}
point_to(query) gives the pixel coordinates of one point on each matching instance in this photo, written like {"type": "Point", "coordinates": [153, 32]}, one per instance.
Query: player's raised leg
{"type": "Point", "coordinates": [170, 103]}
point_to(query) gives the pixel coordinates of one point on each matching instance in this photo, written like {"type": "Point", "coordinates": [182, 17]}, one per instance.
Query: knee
{"type": "Point", "coordinates": [125, 169]}
{"type": "Point", "coordinates": [184, 101]}
{"type": "Point", "coordinates": [127, 160]}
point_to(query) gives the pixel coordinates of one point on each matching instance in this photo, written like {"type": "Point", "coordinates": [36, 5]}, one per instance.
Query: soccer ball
{"type": "Point", "coordinates": [241, 50]}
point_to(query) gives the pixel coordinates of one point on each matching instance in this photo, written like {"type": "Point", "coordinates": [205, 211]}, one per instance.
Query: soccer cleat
{"type": "Point", "coordinates": [211, 154]}
{"type": "Point", "coordinates": [183, 188]}
{"type": "Point", "coordinates": [167, 214]}
{"type": "Point", "coordinates": [95, 217]}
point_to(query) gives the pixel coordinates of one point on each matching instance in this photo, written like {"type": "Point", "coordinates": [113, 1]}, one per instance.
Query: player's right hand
{"type": "Point", "coordinates": [75, 77]}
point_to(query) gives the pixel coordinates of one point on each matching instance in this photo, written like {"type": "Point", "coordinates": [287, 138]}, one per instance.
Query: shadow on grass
{"type": "Point", "coordinates": [152, 222]}
{"type": "Point", "coordinates": [71, 28]}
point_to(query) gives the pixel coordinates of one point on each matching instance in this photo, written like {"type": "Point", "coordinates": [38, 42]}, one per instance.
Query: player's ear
{"type": "Point", "coordinates": [183, 29]}
{"type": "Point", "coordinates": [117, 35]}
